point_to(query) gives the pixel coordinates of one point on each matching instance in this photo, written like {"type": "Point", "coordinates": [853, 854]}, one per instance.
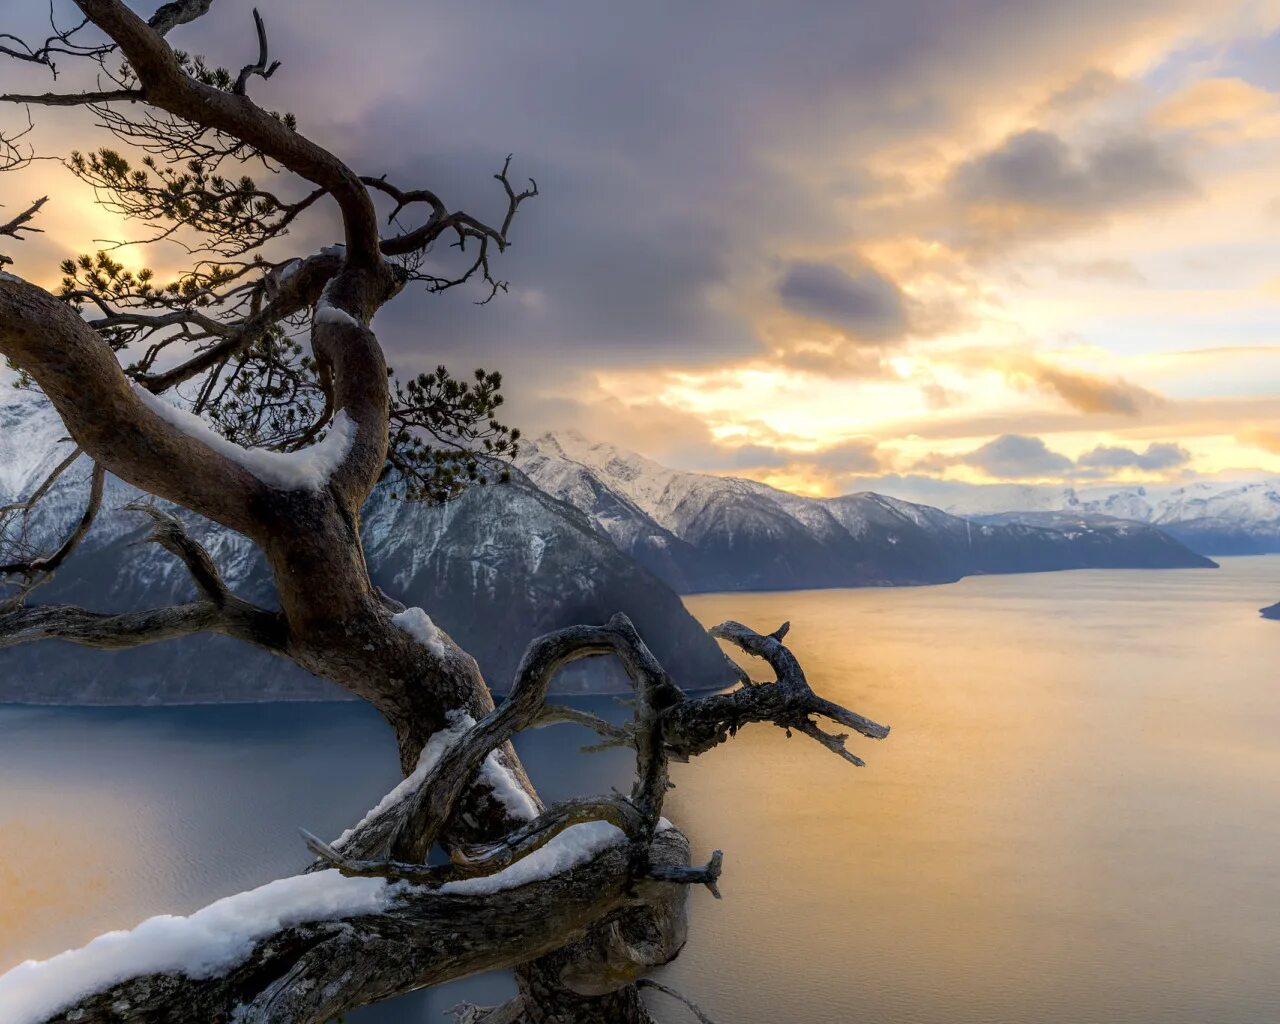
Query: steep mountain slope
{"type": "Point", "coordinates": [733, 534]}
{"type": "Point", "coordinates": [496, 568]}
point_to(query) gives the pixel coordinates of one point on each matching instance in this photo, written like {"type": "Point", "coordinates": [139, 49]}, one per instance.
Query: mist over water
{"type": "Point", "coordinates": [1076, 818]}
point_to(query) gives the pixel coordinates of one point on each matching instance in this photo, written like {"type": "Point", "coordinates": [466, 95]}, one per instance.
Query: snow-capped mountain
{"type": "Point", "coordinates": [703, 532]}
{"type": "Point", "coordinates": [497, 567]}
{"type": "Point", "coordinates": [1209, 516]}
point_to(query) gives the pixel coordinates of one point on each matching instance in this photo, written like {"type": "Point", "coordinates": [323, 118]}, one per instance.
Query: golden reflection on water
{"type": "Point", "coordinates": [63, 870]}
{"type": "Point", "coordinates": [1076, 817]}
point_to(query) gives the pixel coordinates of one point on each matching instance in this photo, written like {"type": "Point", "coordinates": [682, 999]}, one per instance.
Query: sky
{"type": "Point", "coordinates": [823, 245]}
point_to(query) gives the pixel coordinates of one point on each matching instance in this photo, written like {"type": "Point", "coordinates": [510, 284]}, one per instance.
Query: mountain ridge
{"type": "Point", "coordinates": [730, 533]}
{"type": "Point", "coordinates": [1212, 517]}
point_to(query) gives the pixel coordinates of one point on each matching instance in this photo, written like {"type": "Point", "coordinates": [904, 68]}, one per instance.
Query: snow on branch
{"type": "Point", "coordinates": [310, 947]}
{"type": "Point", "coordinates": [418, 625]}
{"type": "Point", "coordinates": [567, 850]}
{"type": "Point", "coordinates": [668, 724]}
{"type": "Point", "coordinates": [430, 756]}
{"type": "Point", "coordinates": [307, 470]}
{"type": "Point", "coordinates": [328, 313]}
{"type": "Point", "coordinates": [203, 945]}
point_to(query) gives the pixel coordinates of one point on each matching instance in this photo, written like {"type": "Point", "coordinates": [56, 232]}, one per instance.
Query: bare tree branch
{"type": "Point", "coordinates": [262, 66]}
{"type": "Point", "coordinates": [73, 99]}
{"type": "Point", "coordinates": [48, 563]}
{"type": "Point", "coordinates": [33, 499]}
{"type": "Point", "coordinates": [107, 631]}
{"type": "Point", "coordinates": [21, 222]}
{"type": "Point", "coordinates": [665, 990]}
{"type": "Point", "coordinates": [180, 12]}
{"type": "Point", "coordinates": [79, 373]}
{"type": "Point", "coordinates": [218, 611]}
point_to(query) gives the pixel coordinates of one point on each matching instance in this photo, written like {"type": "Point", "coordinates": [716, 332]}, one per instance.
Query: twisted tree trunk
{"type": "Point", "coordinates": [581, 899]}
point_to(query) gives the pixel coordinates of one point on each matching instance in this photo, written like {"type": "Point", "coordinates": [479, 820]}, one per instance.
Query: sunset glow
{"type": "Point", "coordinates": [1065, 227]}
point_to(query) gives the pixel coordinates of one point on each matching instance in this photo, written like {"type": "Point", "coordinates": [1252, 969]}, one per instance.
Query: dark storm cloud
{"type": "Point", "coordinates": [862, 301]}
{"type": "Point", "coordinates": [1014, 456]}
{"type": "Point", "coordinates": [1158, 456]}
{"type": "Point", "coordinates": [1027, 457]}
{"type": "Point", "coordinates": [1037, 169]}
{"type": "Point", "coordinates": [855, 456]}
{"type": "Point", "coordinates": [653, 129]}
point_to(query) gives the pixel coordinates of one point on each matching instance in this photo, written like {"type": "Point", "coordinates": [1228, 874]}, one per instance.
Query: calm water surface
{"type": "Point", "coordinates": [1076, 819]}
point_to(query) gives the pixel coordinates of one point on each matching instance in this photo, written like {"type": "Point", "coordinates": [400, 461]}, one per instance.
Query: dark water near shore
{"type": "Point", "coordinates": [1076, 819]}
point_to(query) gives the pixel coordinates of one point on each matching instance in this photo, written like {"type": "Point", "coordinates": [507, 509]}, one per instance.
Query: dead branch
{"type": "Point", "coordinates": [22, 222]}
{"type": "Point", "coordinates": [263, 66]}
{"type": "Point", "coordinates": [112, 632]}
{"type": "Point", "coordinates": [33, 499]}
{"type": "Point", "coordinates": [48, 563]}
{"type": "Point", "coordinates": [679, 997]}
{"type": "Point", "coordinates": [180, 12]}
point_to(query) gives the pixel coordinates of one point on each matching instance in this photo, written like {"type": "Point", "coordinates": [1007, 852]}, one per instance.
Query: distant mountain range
{"type": "Point", "coordinates": [1210, 517]}
{"type": "Point", "coordinates": [582, 531]}
{"type": "Point", "coordinates": [709, 533]}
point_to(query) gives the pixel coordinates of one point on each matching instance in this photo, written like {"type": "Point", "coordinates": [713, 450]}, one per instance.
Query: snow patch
{"type": "Point", "coordinates": [418, 624]}
{"type": "Point", "coordinates": [574, 846]}
{"type": "Point", "coordinates": [207, 943]}
{"type": "Point", "coordinates": [288, 270]}
{"type": "Point", "coordinates": [6, 276]}
{"type": "Point", "coordinates": [506, 790]}
{"type": "Point", "coordinates": [328, 313]}
{"type": "Point", "coordinates": [306, 470]}
{"type": "Point", "coordinates": [428, 758]}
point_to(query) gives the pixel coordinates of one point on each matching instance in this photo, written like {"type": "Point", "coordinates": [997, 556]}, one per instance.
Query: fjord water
{"type": "Point", "coordinates": [1075, 820]}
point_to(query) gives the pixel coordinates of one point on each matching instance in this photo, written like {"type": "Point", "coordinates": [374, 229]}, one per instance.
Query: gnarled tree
{"type": "Point", "coordinates": [251, 391]}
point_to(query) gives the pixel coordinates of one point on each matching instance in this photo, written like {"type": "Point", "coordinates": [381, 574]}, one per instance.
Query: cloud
{"type": "Point", "coordinates": [1094, 85]}
{"type": "Point", "coordinates": [1260, 437]}
{"type": "Point", "coordinates": [746, 456]}
{"type": "Point", "coordinates": [1158, 456]}
{"type": "Point", "coordinates": [936, 397]}
{"type": "Point", "coordinates": [1112, 271]}
{"type": "Point", "coordinates": [860, 300]}
{"type": "Point", "coordinates": [1086, 392]}
{"type": "Point", "coordinates": [859, 455]}
{"type": "Point", "coordinates": [1034, 182]}
{"type": "Point", "coordinates": [1215, 103]}
{"type": "Point", "coordinates": [1027, 457]}
{"type": "Point", "coordinates": [1016, 456]}
{"type": "Point", "coordinates": [668, 191]}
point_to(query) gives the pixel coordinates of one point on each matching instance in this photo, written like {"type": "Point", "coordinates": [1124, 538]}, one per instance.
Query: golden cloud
{"type": "Point", "coordinates": [1215, 102]}
{"type": "Point", "coordinates": [1089, 393]}
{"type": "Point", "coordinates": [1260, 437]}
